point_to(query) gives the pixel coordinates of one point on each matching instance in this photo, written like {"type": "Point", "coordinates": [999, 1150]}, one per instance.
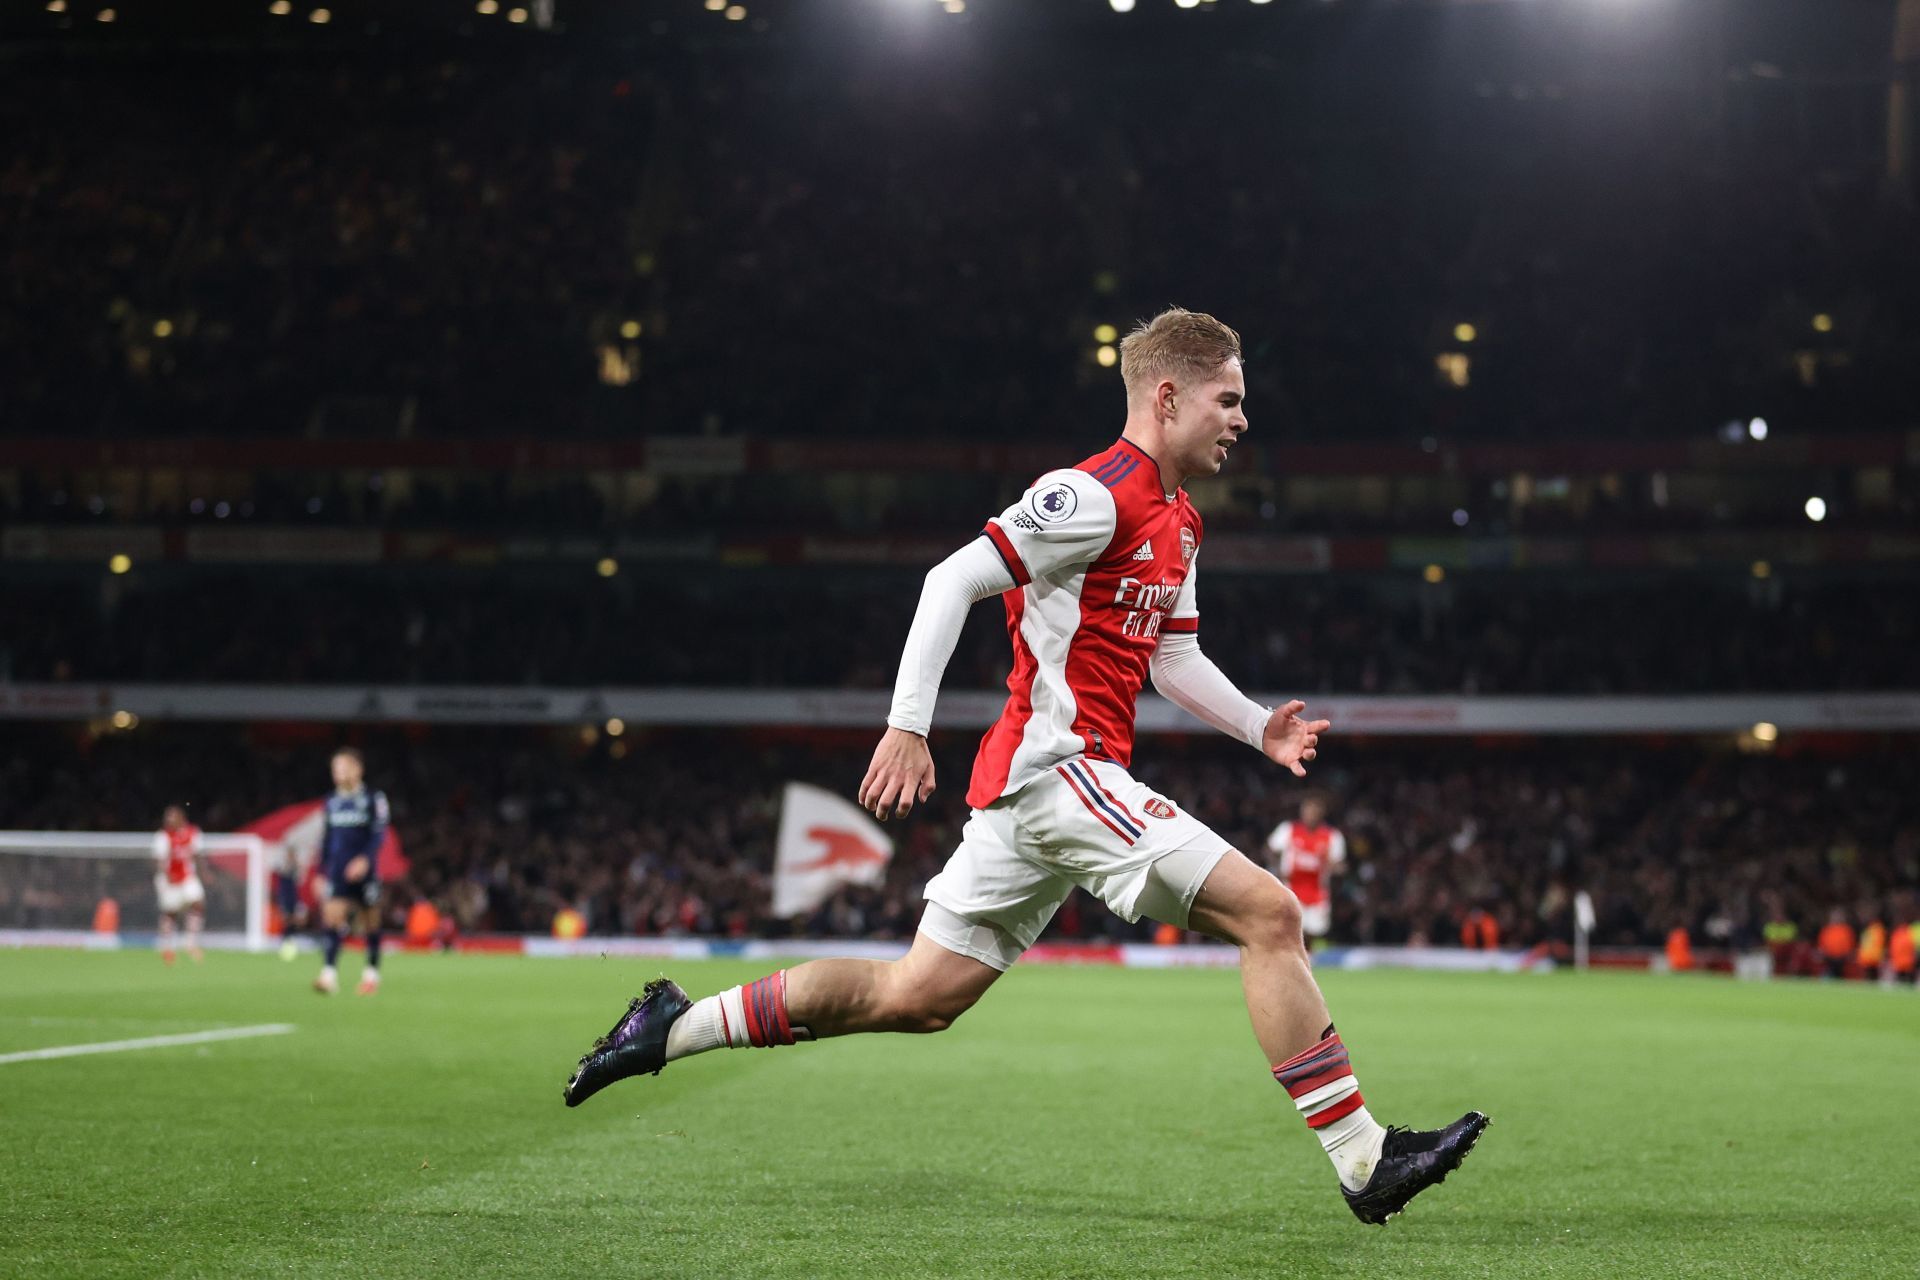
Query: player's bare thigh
{"type": "Point", "coordinates": [1246, 904]}
{"type": "Point", "coordinates": [333, 913]}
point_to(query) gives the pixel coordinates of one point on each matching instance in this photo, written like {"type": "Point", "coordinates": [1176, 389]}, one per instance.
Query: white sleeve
{"type": "Point", "coordinates": [1187, 678]}
{"type": "Point", "coordinates": [1281, 842]}
{"type": "Point", "coordinates": [953, 586]}
{"type": "Point", "coordinates": [199, 842]}
{"type": "Point", "coordinates": [1337, 849]}
{"type": "Point", "coordinates": [160, 844]}
{"type": "Point", "coordinates": [1064, 522]}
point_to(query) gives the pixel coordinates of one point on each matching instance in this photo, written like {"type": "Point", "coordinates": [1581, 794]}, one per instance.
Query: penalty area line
{"type": "Point", "coordinates": [148, 1042]}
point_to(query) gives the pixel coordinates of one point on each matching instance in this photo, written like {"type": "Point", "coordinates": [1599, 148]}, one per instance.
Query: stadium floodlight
{"type": "Point", "coordinates": [1823, 323]}
{"type": "Point", "coordinates": [1121, 6]}
{"type": "Point", "coordinates": [1816, 509]}
{"type": "Point", "coordinates": [1106, 355]}
{"type": "Point", "coordinates": [1187, 4]}
{"type": "Point", "coordinates": [1765, 732]}
{"type": "Point", "coordinates": [607, 567]}
{"type": "Point", "coordinates": [1757, 429]}
{"type": "Point", "coordinates": [74, 872]}
{"type": "Point", "coordinates": [119, 563]}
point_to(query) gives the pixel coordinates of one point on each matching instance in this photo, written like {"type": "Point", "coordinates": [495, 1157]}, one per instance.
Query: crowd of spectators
{"type": "Point", "coordinates": [452, 239]}
{"type": "Point", "coordinates": [673, 834]}
{"type": "Point", "coordinates": [1471, 634]}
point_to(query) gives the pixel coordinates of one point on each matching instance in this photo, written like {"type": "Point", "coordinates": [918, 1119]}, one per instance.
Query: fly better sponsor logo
{"type": "Point", "coordinates": [1146, 604]}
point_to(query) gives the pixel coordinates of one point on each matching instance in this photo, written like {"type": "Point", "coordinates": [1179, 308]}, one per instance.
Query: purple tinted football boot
{"type": "Point", "coordinates": [636, 1045]}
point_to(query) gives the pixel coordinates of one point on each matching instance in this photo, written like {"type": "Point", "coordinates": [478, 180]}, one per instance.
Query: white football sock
{"type": "Point", "coordinates": [1353, 1144]}
{"type": "Point", "coordinates": [707, 1024]}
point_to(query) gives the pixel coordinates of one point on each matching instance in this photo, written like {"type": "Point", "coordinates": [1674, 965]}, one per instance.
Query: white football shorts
{"type": "Point", "coordinates": [1315, 920]}
{"type": "Point", "coordinates": [178, 897]}
{"type": "Point", "coordinates": [1086, 823]}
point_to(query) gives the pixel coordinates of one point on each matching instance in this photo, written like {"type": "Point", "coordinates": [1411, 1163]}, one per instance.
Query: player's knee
{"type": "Point", "coordinates": [1273, 917]}
{"type": "Point", "coordinates": [925, 1011]}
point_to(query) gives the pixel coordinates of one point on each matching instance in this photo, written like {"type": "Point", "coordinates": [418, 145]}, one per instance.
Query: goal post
{"type": "Point", "coordinates": [53, 882]}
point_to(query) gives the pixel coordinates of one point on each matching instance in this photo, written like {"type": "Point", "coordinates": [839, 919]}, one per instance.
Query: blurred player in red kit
{"type": "Point", "coordinates": [1308, 854]}
{"type": "Point", "coordinates": [176, 881]}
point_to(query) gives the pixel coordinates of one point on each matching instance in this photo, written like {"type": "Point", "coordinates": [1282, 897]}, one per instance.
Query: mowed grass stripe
{"type": "Point", "coordinates": [1078, 1123]}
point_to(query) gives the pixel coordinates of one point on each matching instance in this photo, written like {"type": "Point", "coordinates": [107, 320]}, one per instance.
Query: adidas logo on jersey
{"type": "Point", "coordinates": [1145, 552]}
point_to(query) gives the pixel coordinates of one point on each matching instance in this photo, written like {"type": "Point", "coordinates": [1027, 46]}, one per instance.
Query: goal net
{"type": "Point", "coordinates": [52, 885]}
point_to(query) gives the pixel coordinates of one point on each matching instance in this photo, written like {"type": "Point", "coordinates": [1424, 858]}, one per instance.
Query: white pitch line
{"type": "Point", "coordinates": [148, 1042]}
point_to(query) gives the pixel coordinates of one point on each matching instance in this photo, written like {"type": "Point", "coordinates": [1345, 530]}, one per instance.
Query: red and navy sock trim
{"type": "Point", "coordinates": [765, 1002]}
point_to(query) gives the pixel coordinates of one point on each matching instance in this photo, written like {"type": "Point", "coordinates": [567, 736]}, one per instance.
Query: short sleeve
{"type": "Point", "coordinates": [1065, 521]}
{"type": "Point", "coordinates": [1337, 849]}
{"type": "Point", "coordinates": [1277, 842]}
{"type": "Point", "coordinates": [159, 844]}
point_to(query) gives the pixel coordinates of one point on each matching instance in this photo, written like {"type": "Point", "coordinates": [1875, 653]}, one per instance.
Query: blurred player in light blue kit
{"type": "Point", "coordinates": [356, 824]}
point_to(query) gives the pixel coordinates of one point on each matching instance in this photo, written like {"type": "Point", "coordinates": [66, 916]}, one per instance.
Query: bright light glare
{"type": "Point", "coordinates": [1121, 6]}
{"type": "Point", "coordinates": [1765, 732]}
{"type": "Point", "coordinates": [1465, 333]}
{"type": "Point", "coordinates": [120, 564]}
{"type": "Point", "coordinates": [1187, 4]}
{"type": "Point", "coordinates": [607, 567]}
{"type": "Point", "coordinates": [1107, 356]}
{"type": "Point", "coordinates": [1434, 573]}
{"type": "Point", "coordinates": [1762, 570]}
{"type": "Point", "coordinates": [1757, 428]}
{"type": "Point", "coordinates": [616, 727]}
{"type": "Point", "coordinates": [1823, 323]}
{"type": "Point", "coordinates": [487, 8]}
{"type": "Point", "coordinates": [280, 8]}
{"type": "Point", "coordinates": [320, 17]}
{"type": "Point", "coordinates": [1105, 333]}
{"type": "Point", "coordinates": [735, 12]}
{"type": "Point", "coordinates": [516, 15]}
{"type": "Point", "coordinates": [1816, 509]}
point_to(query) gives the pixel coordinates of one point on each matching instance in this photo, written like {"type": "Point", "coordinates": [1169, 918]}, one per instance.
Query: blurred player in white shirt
{"type": "Point", "coordinates": [1307, 856]}
{"type": "Point", "coordinates": [176, 880]}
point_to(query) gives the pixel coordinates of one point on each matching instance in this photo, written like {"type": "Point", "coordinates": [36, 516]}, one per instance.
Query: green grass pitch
{"type": "Point", "coordinates": [1080, 1122]}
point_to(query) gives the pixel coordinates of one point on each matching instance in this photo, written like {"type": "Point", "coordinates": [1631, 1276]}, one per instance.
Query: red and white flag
{"type": "Point", "coordinates": [298, 827]}
{"type": "Point", "coordinates": [825, 841]}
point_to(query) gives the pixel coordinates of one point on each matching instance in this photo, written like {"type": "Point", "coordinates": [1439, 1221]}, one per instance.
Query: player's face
{"type": "Point", "coordinates": [346, 773]}
{"type": "Point", "coordinates": [173, 819]}
{"type": "Point", "coordinates": [1312, 812]}
{"type": "Point", "coordinates": [1207, 419]}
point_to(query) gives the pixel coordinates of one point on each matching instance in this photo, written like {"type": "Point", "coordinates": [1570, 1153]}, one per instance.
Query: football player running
{"type": "Point", "coordinates": [1096, 565]}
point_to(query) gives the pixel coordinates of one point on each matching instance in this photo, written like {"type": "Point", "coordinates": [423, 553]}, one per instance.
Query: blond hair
{"type": "Point", "coordinates": [1178, 344]}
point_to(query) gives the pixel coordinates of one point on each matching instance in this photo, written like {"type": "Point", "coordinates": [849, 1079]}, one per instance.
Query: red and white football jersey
{"type": "Point", "coordinates": [1103, 565]}
{"type": "Point", "coordinates": [176, 849]}
{"type": "Point", "coordinates": [1307, 857]}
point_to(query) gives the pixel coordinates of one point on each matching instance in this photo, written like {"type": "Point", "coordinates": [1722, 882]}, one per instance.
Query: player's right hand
{"type": "Point", "coordinates": [900, 775]}
{"type": "Point", "coordinates": [358, 868]}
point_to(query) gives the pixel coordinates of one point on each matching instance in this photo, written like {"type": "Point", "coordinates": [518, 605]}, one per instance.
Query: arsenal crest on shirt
{"type": "Point", "coordinates": [1158, 808]}
{"type": "Point", "coordinates": [1187, 545]}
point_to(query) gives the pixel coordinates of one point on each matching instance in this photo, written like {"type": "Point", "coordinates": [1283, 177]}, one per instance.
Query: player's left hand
{"type": "Point", "coordinates": [357, 869]}
{"type": "Point", "coordinates": [1291, 741]}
